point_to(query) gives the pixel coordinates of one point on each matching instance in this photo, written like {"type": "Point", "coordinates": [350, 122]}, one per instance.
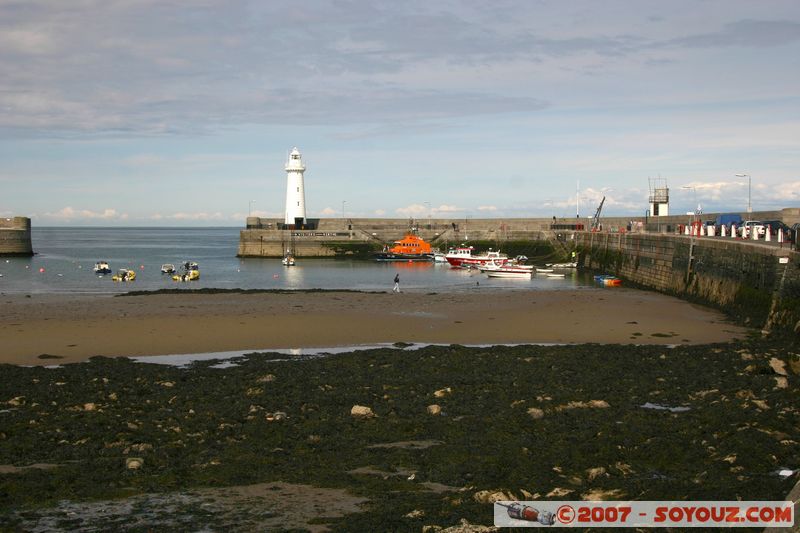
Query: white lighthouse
{"type": "Point", "coordinates": [295, 190]}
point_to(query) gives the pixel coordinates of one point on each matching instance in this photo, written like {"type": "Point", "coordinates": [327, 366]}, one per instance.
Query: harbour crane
{"type": "Point", "coordinates": [596, 219]}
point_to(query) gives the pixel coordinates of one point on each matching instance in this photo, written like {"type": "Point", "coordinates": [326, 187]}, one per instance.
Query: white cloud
{"type": "Point", "coordinates": [241, 217]}
{"type": "Point", "coordinates": [329, 211]}
{"type": "Point", "coordinates": [68, 213]}
{"type": "Point", "coordinates": [379, 212]}
{"type": "Point", "coordinates": [412, 210]}
{"type": "Point", "coordinates": [196, 216]}
{"type": "Point", "coordinates": [448, 209]}
{"type": "Point", "coordinates": [487, 208]}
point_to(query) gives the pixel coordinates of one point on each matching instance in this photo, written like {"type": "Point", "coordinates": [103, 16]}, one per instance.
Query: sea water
{"type": "Point", "coordinates": [65, 257]}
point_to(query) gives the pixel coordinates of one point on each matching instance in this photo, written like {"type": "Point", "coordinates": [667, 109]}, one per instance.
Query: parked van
{"type": "Point", "coordinates": [728, 220]}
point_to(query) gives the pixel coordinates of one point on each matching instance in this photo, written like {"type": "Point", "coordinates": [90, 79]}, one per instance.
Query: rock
{"type": "Point", "coordinates": [254, 391]}
{"type": "Point", "coordinates": [19, 400]}
{"type": "Point", "coordinates": [594, 473]}
{"type": "Point", "coordinates": [536, 413]}
{"type": "Point", "coordinates": [465, 527]}
{"type": "Point", "coordinates": [761, 404]}
{"type": "Point", "coordinates": [134, 463]}
{"type": "Point", "coordinates": [141, 447]}
{"type": "Point", "coordinates": [132, 426]}
{"type": "Point", "coordinates": [431, 529]}
{"type": "Point", "coordinates": [441, 393]}
{"type": "Point", "coordinates": [416, 513]}
{"type": "Point", "coordinates": [266, 378]}
{"type": "Point", "coordinates": [89, 406]}
{"type": "Point", "coordinates": [113, 397]}
{"type": "Point", "coordinates": [603, 495]}
{"type": "Point", "coordinates": [595, 404]}
{"type": "Point", "coordinates": [730, 459]}
{"type": "Point", "coordinates": [778, 366]}
{"type": "Point", "coordinates": [167, 384]}
{"type": "Point", "coordinates": [360, 411]}
{"type": "Point", "coordinates": [491, 496]}
{"type": "Point", "coordinates": [781, 382]}
{"type": "Point", "coordinates": [558, 492]}
{"type": "Point", "coordinates": [434, 409]}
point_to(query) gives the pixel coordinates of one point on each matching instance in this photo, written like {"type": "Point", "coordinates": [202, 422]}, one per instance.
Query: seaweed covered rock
{"type": "Point", "coordinates": [361, 411]}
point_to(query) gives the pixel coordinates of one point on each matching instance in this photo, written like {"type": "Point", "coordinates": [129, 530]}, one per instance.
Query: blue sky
{"type": "Point", "coordinates": [166, 112]}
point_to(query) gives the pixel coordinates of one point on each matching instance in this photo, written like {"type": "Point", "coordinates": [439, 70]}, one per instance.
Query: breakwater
{"type": "Point", "coordinates": [15, 236]}
{"type": "Point", "coordinates": [332, 237]}
{"type": "Point", "coordinates": [756, 283]}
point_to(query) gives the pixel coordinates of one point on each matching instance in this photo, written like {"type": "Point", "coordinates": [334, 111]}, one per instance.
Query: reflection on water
{"type": "Point", "coordinates": [65, 257]}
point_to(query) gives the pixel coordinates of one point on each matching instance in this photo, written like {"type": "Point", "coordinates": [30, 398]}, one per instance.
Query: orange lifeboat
{"type": "Point", "coordinates": [409, 248]}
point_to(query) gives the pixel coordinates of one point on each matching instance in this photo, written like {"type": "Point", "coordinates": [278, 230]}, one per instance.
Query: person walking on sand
{"type": "Point", "coordinates": [396, 283]}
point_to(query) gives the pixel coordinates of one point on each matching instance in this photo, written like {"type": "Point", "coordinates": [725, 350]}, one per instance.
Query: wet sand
{"type": "Point", "coordinates": [76, 327]}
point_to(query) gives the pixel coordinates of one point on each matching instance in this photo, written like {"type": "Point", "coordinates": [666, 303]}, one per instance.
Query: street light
{"type": "Point", "coordinates": [691, 233]}
{"type": "Point", "coordinates": [250, 208]}
{"type": "Point", "coordinates": [694, 191]}
{"type": "Point", "coordinates": [749, 188]}
{"type": "Point", "coordinates": [343, 202]}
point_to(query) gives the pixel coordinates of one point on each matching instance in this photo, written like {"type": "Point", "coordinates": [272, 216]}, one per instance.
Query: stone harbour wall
{"type": "Point", "coordinates": [15, 236]}
{"type": "Point", "coordinates": [757, 283]}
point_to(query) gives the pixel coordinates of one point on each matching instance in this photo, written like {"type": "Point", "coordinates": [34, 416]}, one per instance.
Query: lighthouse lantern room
{"type": "Point", "coordinates": [295, 190]}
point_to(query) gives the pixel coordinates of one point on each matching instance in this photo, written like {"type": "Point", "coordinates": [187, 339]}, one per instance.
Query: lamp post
{"type": "Point", "coordinates": [343, 202]}
{"type": "Point", "coordinates": [691, 232]}
{"type": "Point", "coordinates": [749, 189]}
{"type": "Point", "coordinates": [694, 194]}
{"type": "Point", "coordinates": [250, 208]}
{"type": "Point", "coordinates": [428, 209]}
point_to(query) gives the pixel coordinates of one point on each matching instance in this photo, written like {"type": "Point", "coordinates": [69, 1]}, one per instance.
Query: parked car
{"type": "Point", "coordinates": [754, 225]}
{"type": "Point", "coordinates": [774, 225]}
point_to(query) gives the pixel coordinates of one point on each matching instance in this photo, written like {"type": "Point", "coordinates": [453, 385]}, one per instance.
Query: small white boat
{"type": "Point", "coordinates": [563, 265]}
{"type": "Point", "coordinates": [167, 268]}
{"type": "Point", "coordinates": [544, 270]}
{"type": "Point", "coordinates": [101, 267]}
{"type": "Point", "coordinates": [510, 273]}
{"type": "Point", "coordinates": [555, 275]}
{"type": "Point", "coordinates": [288, 260]}
{"type": "Point", "coordinates": [439, 257]}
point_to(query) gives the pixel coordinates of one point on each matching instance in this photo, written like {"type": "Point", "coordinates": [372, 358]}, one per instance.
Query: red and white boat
{"type": "Point", "coordinates": [464, 257]}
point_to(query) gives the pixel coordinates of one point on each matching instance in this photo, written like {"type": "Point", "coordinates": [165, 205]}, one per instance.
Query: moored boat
{"type": "Point", "coordinates": [288, 260]}
{"type": "Point", "coordinates": [464, 256]}
{"type": "Point", "coordinates": [124, 274]}
{"type": "Point", "coordinates": [167, 268]}
{"type": "Point", "coordinates": [563, 265]}
{"type": "Point", "coordinates": [608, 280]}
{"type": "Point", "coordinates": [101, 267]}
{"type": "Point", "coordinates": [510, 272]}
{"type": "Point", "coordinates": [409, 248]}
{"type": "Point", "coordinates": [191, 272]}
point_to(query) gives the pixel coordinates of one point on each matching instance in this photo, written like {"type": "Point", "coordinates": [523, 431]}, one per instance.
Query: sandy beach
{"type": "Point", "coordinates": [75, 327]}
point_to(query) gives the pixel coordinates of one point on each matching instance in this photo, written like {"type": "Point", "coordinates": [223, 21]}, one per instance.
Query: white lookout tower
{"type": "Point", "coordinates": [295, 190]}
